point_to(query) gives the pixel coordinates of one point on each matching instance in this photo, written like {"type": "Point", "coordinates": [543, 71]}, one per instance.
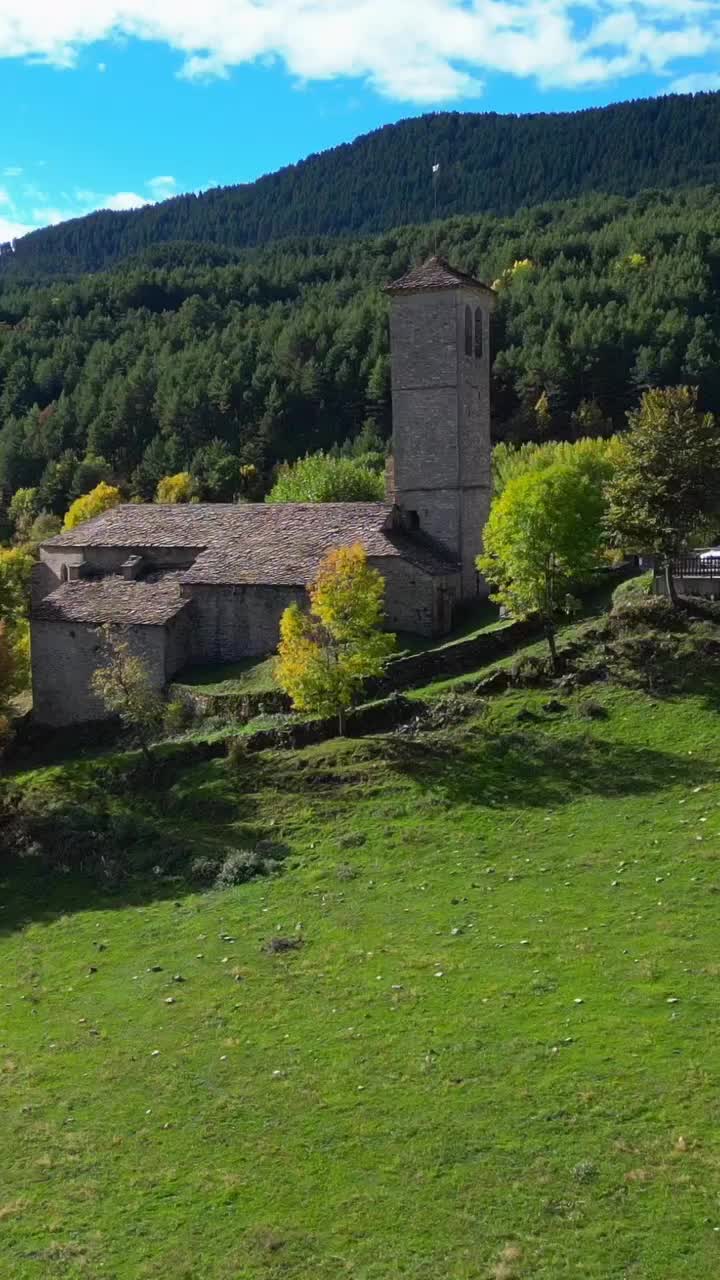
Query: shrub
{"type": "Point", "coordinates": [239, 866]}
{"type": "Point", "coordinates": [129, 829]}
{"type": "Point", "coordinates": [236, 750]}
{"type": "Point", "coordinates": [345, 872]}
{"type": "Point", "coordinates": [277, 946]}
{"type": "Point", "coordinates": [109, 872]}
{"type": "Point", "coordinates": [585, 1171]}
{"type": "Point", "coordinates": [593, 710]}
{"type": "Point", "coordinates": [177, 717]}
{"type": "Point", "coordinates": [633, 587]}
{"type": "Point", "coordinates": [450, 709]}
{"type": "Point", "coordinates": [530, 670]}
{"type": "Point", "coordinates": [204, 870]}
{"type": "Point", "coordinates": [646, 658]}
{"type": "Point", "coordinates": [352, 840]}
{"type": "Point", "coordinates": [653, 612]}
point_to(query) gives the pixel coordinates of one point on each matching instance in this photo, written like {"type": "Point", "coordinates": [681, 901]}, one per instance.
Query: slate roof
{"type": "Point", "coordinates": [273, 544]}
{"type": "Point", "coordinates": [188, 525]}
{"type": "Point", "coordinates": [113, 599]}
{"type": "Point", "coordinates": [436, 273]}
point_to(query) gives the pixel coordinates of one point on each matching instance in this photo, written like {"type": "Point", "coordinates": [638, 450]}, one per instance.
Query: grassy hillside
{"type": "Point", "coordinates": [494, 1053]}
{"type": "Point", "coordinates": [489, 163]}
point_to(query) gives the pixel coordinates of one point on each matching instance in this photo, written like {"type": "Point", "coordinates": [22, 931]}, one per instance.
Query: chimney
{"type": "Point", "coordinates": [131, 568]}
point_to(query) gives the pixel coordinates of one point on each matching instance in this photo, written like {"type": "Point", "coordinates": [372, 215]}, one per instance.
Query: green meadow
{"type": "Point", "coordinates": [486, 1044]}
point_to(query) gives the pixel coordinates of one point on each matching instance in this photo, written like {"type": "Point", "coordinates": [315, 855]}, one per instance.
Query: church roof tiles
{"type": "Point", "coordinates": [264, 544]}
{"type": "Point", "coordinates": [436, 273]}
{"type": "Point", "coordinates": [113, 599]}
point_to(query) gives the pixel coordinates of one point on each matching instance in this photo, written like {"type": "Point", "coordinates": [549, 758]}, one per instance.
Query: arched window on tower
{"type": "Point", "coordinates": [478, 333]}
{"type": "Point", "coordinates": [468, 331]}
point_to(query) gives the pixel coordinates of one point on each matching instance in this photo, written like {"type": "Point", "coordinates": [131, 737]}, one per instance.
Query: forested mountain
{"type": "Point", "coordinates": [194, 356]}
{"type": "Point", "coordinates": [489, 163]}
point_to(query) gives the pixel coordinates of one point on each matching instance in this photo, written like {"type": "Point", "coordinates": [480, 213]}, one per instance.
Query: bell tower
{"type": "Point", "coordinates": [440, 340]}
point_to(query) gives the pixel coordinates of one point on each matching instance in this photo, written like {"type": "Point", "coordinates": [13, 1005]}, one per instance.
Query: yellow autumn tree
{"type": "Point", "coordinates": [16, 565]}
{"type": "Point", "coordinates": [100, 499]}
{"type": "Point", "coordinates": [519, 268]}
{"type": "Point", "coordinates": [10, 684]}
{"type": "Point", "coordinates": [177, 488]}
{"type": "Point", "coordinates": [325, 655]}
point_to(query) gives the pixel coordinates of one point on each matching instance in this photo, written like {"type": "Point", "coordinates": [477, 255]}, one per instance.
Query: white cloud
{"type": "Point", "coordinates": [4, 197]}
{"type": "Point", "coordinates": [123, 200]}
{"type": "Point", "coordinates": [10, 230]}
{"type": "Point", "coordinates": [12, 171]}
{"type": "Point", "coordinates": [49, 216]}
{"type": "Point", "coordinates": [102, 67]}
{"type": "Point", "coordinates": [78, 205]}
{"type": "Point", "coordinates": [699, 82]}
{"type": "Point", "coordinates": [162, 188]}
{"type": "Point", "coordinates": [422, 51]}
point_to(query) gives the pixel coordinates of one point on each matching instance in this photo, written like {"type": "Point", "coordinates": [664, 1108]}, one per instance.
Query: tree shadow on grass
{"type": "Point", "coordinates": [535, 770]}
{"type": "Point", "coordinates": [205, 809]}
{"type": "Point", "coordinates": [92, 844]}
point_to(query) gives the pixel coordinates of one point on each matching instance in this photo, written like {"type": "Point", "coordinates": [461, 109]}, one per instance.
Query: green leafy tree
{"type": "Point", "coordinates": [325, 656]}
{"type": "Point", "coordinates": [92, 504]}
{"type": "Point", "coordinates": [592, 456]}
{"type": "Point", "coordinates": [44, 527]}
{"type": "Point", "coordinates": [667, 477]}
{"type": "Point", "coordinates": [322, 478]}
{"type": "Point", "coordinates": [89, 473]}
{"type": "Point", "coordinates": [544, 534]}
{"type": "Point", "coordinates": [23, 509]}
{"type": "Point", "coordinates": [122, 683]}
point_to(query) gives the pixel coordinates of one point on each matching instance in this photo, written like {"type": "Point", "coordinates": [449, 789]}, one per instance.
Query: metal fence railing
{"type": "Point", "coordinates": [696, 567]}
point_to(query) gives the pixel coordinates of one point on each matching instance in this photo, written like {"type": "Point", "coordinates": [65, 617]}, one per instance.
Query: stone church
{"type": "Point", "coordinates": [209, 582]}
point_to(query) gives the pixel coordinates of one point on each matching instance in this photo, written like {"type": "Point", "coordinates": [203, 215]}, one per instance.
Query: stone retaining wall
{"type": "Point", "coordinates": [454, 659]}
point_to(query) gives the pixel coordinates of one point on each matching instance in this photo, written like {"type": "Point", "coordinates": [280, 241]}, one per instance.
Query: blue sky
{"type": "Point", "coordinates": [112, 103]}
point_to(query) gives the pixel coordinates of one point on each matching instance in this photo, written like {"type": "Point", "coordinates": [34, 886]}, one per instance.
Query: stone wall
{"type": "Point", "coordinates": [64, 657]}
{"type": "Point", "coordinates": [707, 587]}
{"type": "Point", "coordinates": [179, 633]}
{"type": "Point", "coordinates": [441, 419]}
{"type": "Point", "coordinates": [230, 623]}
{"type": "Point", "coordinates": [453, 659]}
{"type": "Point", "coordinates": [221, 624]}
{"type": "Point", "coordinates": [413, 599]}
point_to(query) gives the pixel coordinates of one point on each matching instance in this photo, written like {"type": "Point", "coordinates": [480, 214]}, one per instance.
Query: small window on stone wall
{"type": "Point", "coordinates": [468, 331]}
{"type": "Point", "coordinates": [478, 334]}
{"type": "Point", "coordinates": [64, 575]}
